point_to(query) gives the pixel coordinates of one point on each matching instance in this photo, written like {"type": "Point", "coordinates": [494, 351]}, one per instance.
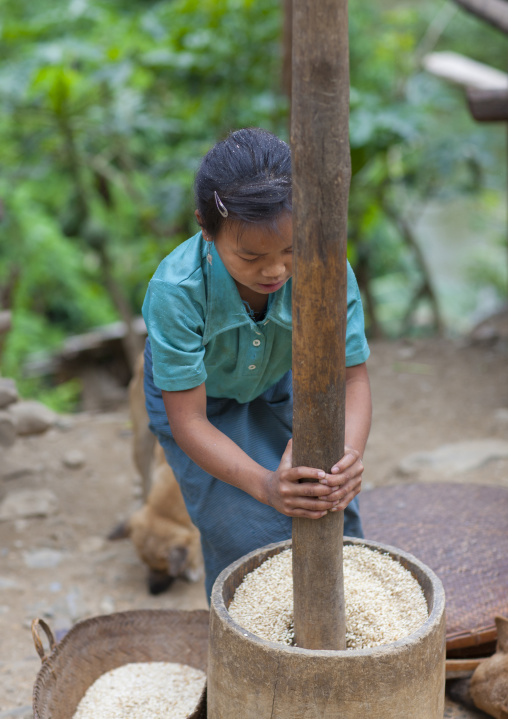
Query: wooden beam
{"type": "Point", "coordinates": [463, 71]}
{"type": "Point", "coordinates": [321, 178]}
{"type": "Point", "coordinates": [5, 321]}
{"type": "Point", "coordinates": [488, 105]}
{"type": "Point", "coordinates": [5, 326]}
{"type": "Point", "coordinates": [495, 12]}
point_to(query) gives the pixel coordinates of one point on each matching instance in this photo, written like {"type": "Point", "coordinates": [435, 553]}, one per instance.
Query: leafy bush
{"type": "Point", "coordinates": [108, 106]}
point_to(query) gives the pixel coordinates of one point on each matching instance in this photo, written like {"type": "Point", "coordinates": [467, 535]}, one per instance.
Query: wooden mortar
{"type": "Point", "coordinates": [257, 679]}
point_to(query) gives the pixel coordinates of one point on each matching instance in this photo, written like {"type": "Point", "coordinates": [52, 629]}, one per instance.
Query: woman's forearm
{"type": "Point", "coordinates": [218, 455]}
{"type": "Point", "coordinates": [358, 408]}
{"type": "Point", "coordinates": [210, 448]}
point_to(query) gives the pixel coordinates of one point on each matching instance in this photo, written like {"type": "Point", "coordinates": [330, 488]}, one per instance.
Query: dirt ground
{"type": "Point", "coordinates": [62, 568]}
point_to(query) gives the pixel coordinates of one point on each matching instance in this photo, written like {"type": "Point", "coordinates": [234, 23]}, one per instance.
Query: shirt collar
{"type": "Point", "coordinates": [225, 309]}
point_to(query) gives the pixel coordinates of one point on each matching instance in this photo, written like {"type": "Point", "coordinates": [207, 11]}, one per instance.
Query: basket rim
{"type": "Point", "coordinates": [114, 617]}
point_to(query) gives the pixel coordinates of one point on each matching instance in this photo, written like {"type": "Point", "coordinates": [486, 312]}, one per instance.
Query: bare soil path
{"type": "Point", "coordinates": [60, 566]}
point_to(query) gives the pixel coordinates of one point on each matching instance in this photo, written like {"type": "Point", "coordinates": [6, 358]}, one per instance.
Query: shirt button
{"type": "Point", "coordinates": [256, 343]}
{"type": "Point", "coordinates": [252, 366]}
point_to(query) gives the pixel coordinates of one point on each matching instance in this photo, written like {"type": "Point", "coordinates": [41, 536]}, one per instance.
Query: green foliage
{"type": "Point", "coordinates": [62, 398]}
{"type": "Point", "coordinates": [486, 266]}
{"type": "Point", "coordinates": [108, 107]}
{"type": "Point", "coordinates": [412, 140]}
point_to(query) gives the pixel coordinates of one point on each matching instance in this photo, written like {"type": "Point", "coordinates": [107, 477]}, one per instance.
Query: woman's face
{"type": "Point", "coordinates": [258, 258]}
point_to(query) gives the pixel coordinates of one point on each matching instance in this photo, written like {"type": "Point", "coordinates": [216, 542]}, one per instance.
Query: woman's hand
{"type": "Point", "coordinates": [328, 492]}
{"type": "Point", "coordinates": [331, 492]}
{"type": "Point", "coordinates": [346, 479]}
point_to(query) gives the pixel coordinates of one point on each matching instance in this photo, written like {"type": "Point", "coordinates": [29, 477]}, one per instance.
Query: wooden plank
{"type": "Point", "coordinates": [5, 321]}
{"type": "Point", "coordinates": [321, 178]}
{"type": "Point", "coordinates": [463, 71]}
{"type": "Point", "coordinates": [456, 666]}
{"type": "Point", "coordinates": [488, 105]}
{"type": "Point", "coordinates": [495, 12]}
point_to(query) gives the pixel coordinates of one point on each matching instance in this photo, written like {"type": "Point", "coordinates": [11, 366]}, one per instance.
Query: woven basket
{"type": "Point", "coordinates": [97, 645]}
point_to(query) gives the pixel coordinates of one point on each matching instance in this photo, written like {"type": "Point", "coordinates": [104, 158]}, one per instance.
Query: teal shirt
{"type": "Point", "coordinates": [200, 331]}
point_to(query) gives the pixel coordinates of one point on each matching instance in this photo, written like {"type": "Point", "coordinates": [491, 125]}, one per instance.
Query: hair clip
{"type": "Point", "coordinates": [220, 205]}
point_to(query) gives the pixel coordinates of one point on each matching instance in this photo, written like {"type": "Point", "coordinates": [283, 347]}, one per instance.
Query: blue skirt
{"type": "Point", "coordinates": [231, 522]}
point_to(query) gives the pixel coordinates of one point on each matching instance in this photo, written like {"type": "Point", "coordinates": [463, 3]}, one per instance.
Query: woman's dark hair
{"type": "Point", "coordinates": [251, 173]}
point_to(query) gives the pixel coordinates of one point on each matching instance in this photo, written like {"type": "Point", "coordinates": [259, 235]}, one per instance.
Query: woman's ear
{"type": "Point", "coordinates": [198, 218]}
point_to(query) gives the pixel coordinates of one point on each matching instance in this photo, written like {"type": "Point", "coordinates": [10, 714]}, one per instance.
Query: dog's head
{"type": "Point", "coordinates": [169, 549]}
{"type": "Point", "coordinates": [177, 566]}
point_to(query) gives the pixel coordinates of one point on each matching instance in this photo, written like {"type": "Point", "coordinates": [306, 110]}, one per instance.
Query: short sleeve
{"type": "Point", "coordinates": [357, 349]}
{"type": "Point", "coordinates": [174, 318]}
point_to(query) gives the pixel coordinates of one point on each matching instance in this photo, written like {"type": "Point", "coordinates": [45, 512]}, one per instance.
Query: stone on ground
{"type": "Point", "coordinates": [32, 417]}
{"type": "Point", "coordinates": [74, 459]}
{"type": "Point", "coordinates": [454, 459]}
{"type": "Point", "coordinates": [28, 503]}
{"type": "Point", "coordinates": [8, 432]}
{"type": "Point", "coordinates": [8, 392]}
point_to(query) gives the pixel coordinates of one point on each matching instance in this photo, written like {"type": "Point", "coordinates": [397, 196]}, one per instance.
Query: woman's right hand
{"type": "Point", "coordinates": [285, 492]}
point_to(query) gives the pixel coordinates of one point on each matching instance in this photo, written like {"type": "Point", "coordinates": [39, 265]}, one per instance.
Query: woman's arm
{"type": "Point", "coordinates": [218, 455]}
{"type": "Point", "coordinates": [348, 471]}
{"type": "Point", "coordinates": [358, 407]}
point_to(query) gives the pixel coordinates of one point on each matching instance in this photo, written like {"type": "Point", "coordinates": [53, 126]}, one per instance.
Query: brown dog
{"type": "Point", "coordinates": [162, 531]}
{"type": "Point", "coordinates": [489, 683]}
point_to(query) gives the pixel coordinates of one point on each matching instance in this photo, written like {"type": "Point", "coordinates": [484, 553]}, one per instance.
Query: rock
{"type": "Point", "coordinates": [137, 491]}
{"type": "Point", "coordinates": [107, 605]}
{"type": "Point", "coordinates": [453, 459]}
{"type": "Point", "coordinates": [76, 605]}
{"type": "Point", "coordinates": [406, 352]}
{"type": "Point", "coordinates": [23, 712]}
{"type": "Point", "coordinates": [64, 424]}
{"type": "Point", "coordinates": [485, 334]}
{"type": "Point", "coordinates": [74, 459]}
{"type": "Point", "coordinates": [28, 503]}
{"type": "Point", "coordinates": [8, 432]}
{"type": "Point", "coordinates": [501, 414]}
{"type": "Point", "coordinates": [8, 392]}
{"type": "Point", "coordinates": [32, 417]}
{"type": "Point", "coordinates": [12, 469]}
{"type": "Point", "coordinates": [91, 544]}
{"type": "Point", "coordinates": [7, 583]}
{"type": "Point", "coordinates": [44, 558]}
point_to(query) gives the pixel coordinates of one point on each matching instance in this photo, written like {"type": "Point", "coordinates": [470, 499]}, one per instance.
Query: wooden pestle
{"type": "Point", "coordinates": [321, 178]}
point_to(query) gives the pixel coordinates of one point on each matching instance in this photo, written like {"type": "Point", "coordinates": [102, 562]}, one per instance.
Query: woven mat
{"type": "Point", "coordinates": [461, 532]}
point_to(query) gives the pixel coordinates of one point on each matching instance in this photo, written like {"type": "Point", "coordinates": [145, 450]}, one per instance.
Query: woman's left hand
{"type": "Point", "coordinates": [347, 479]}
